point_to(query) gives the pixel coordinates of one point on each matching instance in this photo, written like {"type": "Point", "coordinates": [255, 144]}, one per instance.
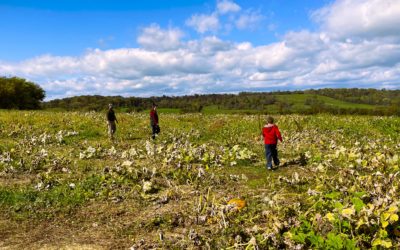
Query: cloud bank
{"type": "Point", "coordinates": [356, 45]}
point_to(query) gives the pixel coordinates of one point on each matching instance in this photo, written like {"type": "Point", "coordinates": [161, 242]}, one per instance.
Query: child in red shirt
{"type": "Point", "coordinates": [271, 136]}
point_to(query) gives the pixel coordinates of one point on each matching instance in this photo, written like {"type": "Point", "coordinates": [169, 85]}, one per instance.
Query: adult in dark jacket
{"type": "Point", "coordinates": [111, 121]}
{"type": "Point", "coordinates": [154, 121]}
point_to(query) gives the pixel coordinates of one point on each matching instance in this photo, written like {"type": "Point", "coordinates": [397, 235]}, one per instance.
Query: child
{"type": "Point", "coordinates": [271, 135]}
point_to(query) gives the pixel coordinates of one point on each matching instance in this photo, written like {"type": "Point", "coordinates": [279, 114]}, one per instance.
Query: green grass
{"type": "Point", "coordinates": [299, 99]}
{"type": "Point", "coordinates": [167, 110]}
{"type": "Point", "coordinates": [213, 109]}
{"type": "Point", "coordinates": [296, 100]}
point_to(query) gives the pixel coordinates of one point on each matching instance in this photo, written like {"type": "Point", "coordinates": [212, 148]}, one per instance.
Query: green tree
{"type": "Point", "coordinates": [18, 93]}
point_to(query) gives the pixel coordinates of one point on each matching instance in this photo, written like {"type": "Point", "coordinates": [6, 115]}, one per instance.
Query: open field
{"type": "Point", "coordinates": [297, 104]}
{"type": "Point", "coordinates": [63, 184]}
{"type": "Point", "coordinates": [298, 101]}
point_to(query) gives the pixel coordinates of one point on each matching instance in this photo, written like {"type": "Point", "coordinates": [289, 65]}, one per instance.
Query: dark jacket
{"type": "Point", "coordinates": [111, 115]}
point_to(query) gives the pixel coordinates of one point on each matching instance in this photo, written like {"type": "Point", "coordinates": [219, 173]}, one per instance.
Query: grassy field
{"type": "Point", "coordinates": [201, 184]}
{"type": "Point", "coordinates": [299, 99]}
{"type": "Point", "coordinates": [297, 105]}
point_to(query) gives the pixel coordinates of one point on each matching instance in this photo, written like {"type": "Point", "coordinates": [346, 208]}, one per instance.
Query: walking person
{"type": "Point", "coordinates": [271, 136]}
{"type": "Point", "coordinates": [111, 121]}
{"type": "Point", "coordinates": [154, 121]}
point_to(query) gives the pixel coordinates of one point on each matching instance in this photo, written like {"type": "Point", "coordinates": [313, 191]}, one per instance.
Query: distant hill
{"type": "Point", "coordinates": [337, 101]}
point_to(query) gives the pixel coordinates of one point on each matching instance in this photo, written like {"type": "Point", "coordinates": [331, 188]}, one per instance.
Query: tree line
{"type": "Point", "coordinates": [361, 96]}
{"type": "Point", "coordinates": [193, 103]}
{"type": "Point", "coordinates": [243, 102]}
{"type": "Point", "coordinates": [18, 93]}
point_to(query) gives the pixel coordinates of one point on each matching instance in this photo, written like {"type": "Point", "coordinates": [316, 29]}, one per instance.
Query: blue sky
{"type": "Point", "coordinates": [70, 27]}
{"type": "Point", "coordinates": [145, 48]}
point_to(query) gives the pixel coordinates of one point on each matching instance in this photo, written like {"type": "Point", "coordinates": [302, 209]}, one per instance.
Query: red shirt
{"type": "Point", "coordinates": [153, 117]}
{"type": "Point", "coordinates": [271, 134]}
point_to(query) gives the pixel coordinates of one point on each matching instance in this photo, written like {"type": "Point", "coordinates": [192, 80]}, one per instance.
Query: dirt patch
{"type": "Point", "coordinates": [18, 180]}
{"type": "Point", "coordinates": [216, 125]}
{"type": "Point", "coordinates": [100, 225]}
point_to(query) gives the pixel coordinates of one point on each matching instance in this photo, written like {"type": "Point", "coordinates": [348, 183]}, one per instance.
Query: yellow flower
{"type": "Point", "coordinates": [330, 217]}
{"type": "Point", "coordinates": [348, 212]}
{"type": "Point", "coordinates": [393, 218]}
{"type": "Point", "coordinates": [384, 243]}
{"type": "Point", "coordinates": [392, 209]}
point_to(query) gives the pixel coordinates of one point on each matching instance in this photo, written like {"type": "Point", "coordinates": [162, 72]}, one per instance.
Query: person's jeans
{"type": "Point", "coordinates": [155, 130]}
{"type": "Point", "coordinates": [271, 153]}
{"type": "Point", "coordinates": [112, 127]}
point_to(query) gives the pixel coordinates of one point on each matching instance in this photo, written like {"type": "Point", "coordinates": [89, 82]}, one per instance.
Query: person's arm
{"type": "Point", "coordinates": [278, 133]}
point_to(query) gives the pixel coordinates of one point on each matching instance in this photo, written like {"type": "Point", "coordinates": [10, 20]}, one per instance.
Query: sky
{"type": "Point", "coordinates": [184, 47]}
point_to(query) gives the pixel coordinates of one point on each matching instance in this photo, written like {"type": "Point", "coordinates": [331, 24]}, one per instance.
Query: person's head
{"type": "Point", "coordinates": [270, 120]}
{"type": "Point", "coordinates": [110, 106]}
{"type": "Point", "coordinates": [154, 106]}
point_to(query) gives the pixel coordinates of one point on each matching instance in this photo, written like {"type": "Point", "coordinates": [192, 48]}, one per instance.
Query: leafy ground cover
{"type": "Point", "coordinates": [201, 184]}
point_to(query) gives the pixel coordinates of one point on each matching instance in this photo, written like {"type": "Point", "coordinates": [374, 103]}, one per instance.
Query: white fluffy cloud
{"type": "Point", "coordinates": [365, 18]}
{"type": "Point", "coordinates": [358, 57]}
{"type": "Point", "coordinates": [155, 38]}
{"type": "Point", "coordinates": [241, 19]}
{"type": "Point", "coordinates": [249, 19]}
{"type": "Point", "coordinates": [204, 23]}
{"type": "Point", "coordinates": [226, 6]}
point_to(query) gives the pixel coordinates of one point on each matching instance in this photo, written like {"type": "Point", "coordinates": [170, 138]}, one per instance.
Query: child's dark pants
{"type": "Point", "coordinates": [272, 154]}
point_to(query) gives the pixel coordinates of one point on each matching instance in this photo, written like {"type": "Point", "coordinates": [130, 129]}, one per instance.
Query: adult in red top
{"type": "Point", "coordinates": [271, 136]}
{"type": "Point", "coordinates": [154, 121]}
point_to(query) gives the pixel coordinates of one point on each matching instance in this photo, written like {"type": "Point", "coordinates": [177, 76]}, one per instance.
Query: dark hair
{"type": "Point", "coordinates": [270, 119]}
